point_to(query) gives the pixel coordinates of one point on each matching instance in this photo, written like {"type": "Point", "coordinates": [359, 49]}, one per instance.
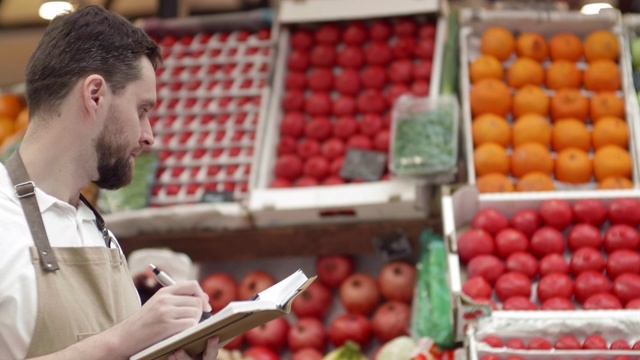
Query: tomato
{"type": "Point", "coordinates": [221, 288]}
{"type": "Point", "coordinates": [624, 211]}
{"type": "Point", "coordinates": [396, 280]}
{"type": "Point", "coordinates": [523, 262]}
{"type": "Point", "coordinates": [555, 285]}
{"type": "Point", "coordinates": [307, 354]}
{"type": "Point", "coordinates": [353, 327]}
{"type": "Point", "coordinates": [253, 282]}
{"type": "Point", "coordinates": [477, 287]}
{"type": "Point", "coordinates": [355, 33]}
{"type": "Point", "coordinates": [556, 213]}
{"type": "Point", "coordinates": [589, 283]}
{"type": "Point", "coordinates": [307, 332]}
{"type": "Point", "coordinates": [602, 301]}
{"type": "Point", "coordinates": [473, 243]}
{"type": "Point", "coordinates": [493, 341]}
{"type": "Point", "coordinates": [332, 270]}
{"type": "Point", "coordinates": [620, 344]}
{"type": "Point", "coordinates": [513, 284]}
{"type": "Point", "coordinates": [359, 293]}
{"type": "Point", "coordinates": [558, 303]}
{"type": "Point", "coordinates": [539, 343]}
{"type": "Point", "coordinates": [527, 221]}
{"type": "Point", "coordinates": [487, 266]}
{"type": "Point", "coordinates": [622, 261]}
{"type": "Point", "coordinates": [390, 320]}
{"type": "Point", "coordinates": [489, 357]}
{"type": "Point", "coordinates": [567, 342]}
{"type": "Point", "coordinates": [315, 301]}
{"type": "Point", "coordinates": [516, 344]}
{"type": "Point", "coordinates": [272, 334]}
{"type": "Point", "coordinates": [509, 241]}
{"type": "Point", "coordinates": [490, 220]}
{"type": "Point", "coordinates": [589, 211]}
{"type": "Point", "coordinates": [595, 341]}
{"type": "Point", "coordinates": [519, 303]}
{"type": "Point", "coordinates": [380, 30]}
{"type": "Point", "coordinates": [633, 304]}
{"type": "Point", "coordinates": [547, 240]}
{"type": "Point", "coordinates": [328, 34]}
{"type": "Point", "coordinates": [636, 345]}
{"type": "Point", "coordinates": [586, 259]}
{"type": "Point", "coordinates": [553, 263]}
{"type": "Point", "coordinates": [621, 236]}
{"type": "Point", "coordinates": [627, 287]}
{"type": "Point", "coordinates": [584, 235]}
{"type": "Point", "coordinates": [260, 353]}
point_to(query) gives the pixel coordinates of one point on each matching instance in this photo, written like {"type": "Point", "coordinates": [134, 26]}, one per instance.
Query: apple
{"type": "Point", "coordinates": [307, 332]}
{"type": "Point", "coordinates": [396, 281]}
{"type": "Point", "coordinates": [221, 288]}
{"type": "Point", "coordinates": [253, 282]}
{"type": "Point", "coordinates": [354, 327]}
{"type": "Point", "coordinates": [359, 293]}
{"type": "Point", "coordinates": [390, 320]}
{"type": "Point", "coordinates": [315, 301]}
{"type": "Point", "coordinates": [272, 334]}
{"type": "Point", "coordinates": [332, 270]}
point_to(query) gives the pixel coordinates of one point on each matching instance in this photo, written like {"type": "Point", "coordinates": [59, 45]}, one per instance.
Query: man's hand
{"type": "Point", "coordinates": [210, 353]}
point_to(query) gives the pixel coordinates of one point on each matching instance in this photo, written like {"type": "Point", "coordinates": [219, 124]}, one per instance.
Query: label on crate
{"type": "Point", "coordinates": [393, 245]}
{"type": "Point", "coordinates": [217, 197]}
{"type": "Point", "coordinates": [363, 164]}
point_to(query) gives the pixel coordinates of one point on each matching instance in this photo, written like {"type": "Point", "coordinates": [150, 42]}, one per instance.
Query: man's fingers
{"type": "Point", "coordinates": [190, 288]}
{"type": "Point", "coordinates": [211, 352]}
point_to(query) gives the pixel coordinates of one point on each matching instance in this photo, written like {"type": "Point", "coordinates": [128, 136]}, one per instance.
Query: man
{"type": "Point", "coordinates": [65, 290]}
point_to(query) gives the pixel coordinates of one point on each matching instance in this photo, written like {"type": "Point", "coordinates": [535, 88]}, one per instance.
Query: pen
{"type": "Point", "coordinates": [165, 280]}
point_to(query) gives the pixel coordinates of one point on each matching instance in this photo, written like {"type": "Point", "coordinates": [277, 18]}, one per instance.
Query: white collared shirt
{"type": "Point", "coordinates": [66, 226]}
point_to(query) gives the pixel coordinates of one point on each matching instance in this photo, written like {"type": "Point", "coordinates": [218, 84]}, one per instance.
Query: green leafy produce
{"type": "Point", "coordinates": [136, 194]}
{"type": "Point", "coordinates": [349, 351]}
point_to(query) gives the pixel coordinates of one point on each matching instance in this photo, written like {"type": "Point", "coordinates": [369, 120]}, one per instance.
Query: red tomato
{"type": "Point", "coordinates": [627, 287]}
{"type": "Point", "coordinates": [547, 240]}
{"type": "Point", "coordinates": [515, 344]}
{"type": "Point", "coordinates": [622, 261]}
{"type": "Point", "coordinates": [523, 262]}
{"type": "Point", "coordinates": [519, 303]}
{"type": "Point", "coordinates": [353, 327]}
{"type": "Point", "coordinates": [553, 263]}
{"type": "Point", "coordinates": [489, 357]}
{"type": "Point", "coordinates": [490, 220]}
{"type": "Point", "coordinates": [620, 344]}
{"type": "Point", "coordinates": [380, 30]}
{"type": "Point", "coordinates": [636, 345]}
{"type": "Point", "coordinates": [584, 235]}
{"type": "Point", "coordinates": [477, 287]}
{"type": "Point", "coordinates": [527, 221]}
{"type": "Point", "coordinates": [558, 303]}
{"type": "Point", "coordinates": [513, 284]}
{"type": "Point", "coordinates": [633, 304]}
{"type": "Point", "coordinates": [359, 293]}
{"type": "Point", "coordinates": [261, 353]}
{"type": "Point", "coordinates": [567, 342]}
{"type": "Point", "coordinates": [355, 33]}
{"type": "Point", "coordinates": [594, 341]}
{"type": "Point", "coordinates": [602, 301]}
{"type": "Point", "coordinates": [621, 236]}
{"type": "Point", "coordinates": [589, 283]}
{"type": "Point", "coordinates": [493, 341]}
{"type": "Point", "coordinates": [555, 285]}
{"type": "Point", "coordinates": [487, 266]}
{"type": "Point", "coordinates": [556, 213]}
{"type": "Point", "coordinates": [509, 241]}
{"type": "Point", "coordinates": [589, 211]}
{"type": "Point", "coordinates": [539, 343]}
{"type": "Point", "coordinates": [586, 259]}
{"type": "Point", "coordinates": [624, 211]}
{"type": "Point", "coordinates": [473, 243]}
{"type": "Point", "coordinates": [328, 34]}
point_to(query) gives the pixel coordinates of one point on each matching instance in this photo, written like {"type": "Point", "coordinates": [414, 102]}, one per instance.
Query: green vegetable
{"type": "Point", "coordinates": [349, 351]}
{"type": "Point", "coordinates": [136, 194]}
{"type": "Point", "coordinates": [449, 84]}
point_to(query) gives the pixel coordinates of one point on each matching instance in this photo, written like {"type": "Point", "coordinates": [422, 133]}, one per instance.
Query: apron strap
{"type": "Point", "coordinates": [25, 190]}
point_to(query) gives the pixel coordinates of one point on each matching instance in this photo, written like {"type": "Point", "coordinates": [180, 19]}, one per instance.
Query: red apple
{"type": "Point", "coordinates": [221, 288]}
{"type": "Point", "coordinates": [332, 270]}
{"type": "Point", "coordinates": [315, 301]}
{"type": "Point", "coordinates": [359, 293]}
{"type": "Point", "coordinates": [397, 280]}
{"type": "Point", "coordinates": [272, 334]}
{"type": "Point", "coordinates": [307, 332]}
{"type": "Point", "coordinates": [253, 282]}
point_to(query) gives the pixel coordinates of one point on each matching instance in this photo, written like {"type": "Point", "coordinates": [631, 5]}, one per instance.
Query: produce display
{"type": "Point", "coordinates": [209, 96]}
{"type": "Point", "coordinates": [340, 83]}
{"type": "Point", "coordinates": [14, 117]}
{"type": "Point", "coordinates": [547, 109]}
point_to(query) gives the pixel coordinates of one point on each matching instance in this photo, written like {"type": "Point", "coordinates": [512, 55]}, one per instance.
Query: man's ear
{"type": "Point", "coordinates": [94, 89]}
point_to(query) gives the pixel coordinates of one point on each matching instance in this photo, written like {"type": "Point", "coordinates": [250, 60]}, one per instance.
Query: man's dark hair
{"type": "Point", "coordinates": [90, 40]}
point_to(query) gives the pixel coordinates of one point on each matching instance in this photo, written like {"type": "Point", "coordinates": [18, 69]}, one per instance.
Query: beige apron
{"type": "Point", "coordinates": [81, 290]}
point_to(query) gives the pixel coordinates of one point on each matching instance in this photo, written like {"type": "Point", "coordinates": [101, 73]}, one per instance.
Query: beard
{"type": "Point", "coordinates": [114, 167]}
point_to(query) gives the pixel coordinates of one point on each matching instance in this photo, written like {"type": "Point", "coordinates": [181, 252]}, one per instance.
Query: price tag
{"type": "Point", "coordinates": [217, 197]}
{"type": "Point", "coordinates": [363, 164]}
{"type": "Point", "coordinates": [394, 245]}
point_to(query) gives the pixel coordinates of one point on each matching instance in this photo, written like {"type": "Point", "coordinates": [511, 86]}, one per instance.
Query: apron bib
{"type": "Point", "coordinates": [82, 291]}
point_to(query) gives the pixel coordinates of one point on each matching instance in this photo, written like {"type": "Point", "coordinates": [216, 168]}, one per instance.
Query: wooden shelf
{"type": "Point", "coordinates": [308, 240]}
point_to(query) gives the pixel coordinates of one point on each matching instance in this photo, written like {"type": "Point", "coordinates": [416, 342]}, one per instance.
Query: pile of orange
{"type": "Point", "coordinates": [546, 111]}
{"type": "Point", "coordinates": [14, 117]}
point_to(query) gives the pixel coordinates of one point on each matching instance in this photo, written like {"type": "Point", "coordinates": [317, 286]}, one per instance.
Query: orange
{"type": "Point", "coordinates": [569, 103]}
{"type": "Point", "coordinates": [22, 120]}
{"type": "Point", "coordinates": [491, 128]}
{"type": "Point", "coordinates": [602, 75]}
{"type": "Point", "coordinates": [7, 128]}
{"type": "Point", "coordinates": [485, 66]}
{"type": "Point", "coordinates": [570, 133]}
{"type": "Point", "coordinates": [563, 74]}
{"type": "Point", "coordinates": [490, 158]}
{"type": "Point", "coordinates": [497, 41]}
{"type": "Point", "coordinates": [530, 99]}
{"type": "Point", "coordinates": [535, 181]}
{"type": "Point", "coordinates": [605, 103]}
{"type": "Point", "coordinates": [610, 130]}
{"type": "Point", "coordinates": [611, 160]}
{"type": "Point", "coordinates": [490, 96]}
{"type": "Point", "coordinates": [573, 166]}
{"type": "Point", "coordinates": [615, 182]}
{"type": "Point", "coordinates": [532, 45]}
{"type": "Point", "coordinates": [530, 157]}
{"type": "Point", "coordinates": [531, 128]}
{"type": "Point", "coordinates": [494, 183]}
{"type": "Point", "coordinates": [525, 71]}
{"type": "Point", "coordinates": [601, 44]}
{"type": "Point", "coordinates": [10, 105]}
{"type": "Point", "coordinates": [565, 46]}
